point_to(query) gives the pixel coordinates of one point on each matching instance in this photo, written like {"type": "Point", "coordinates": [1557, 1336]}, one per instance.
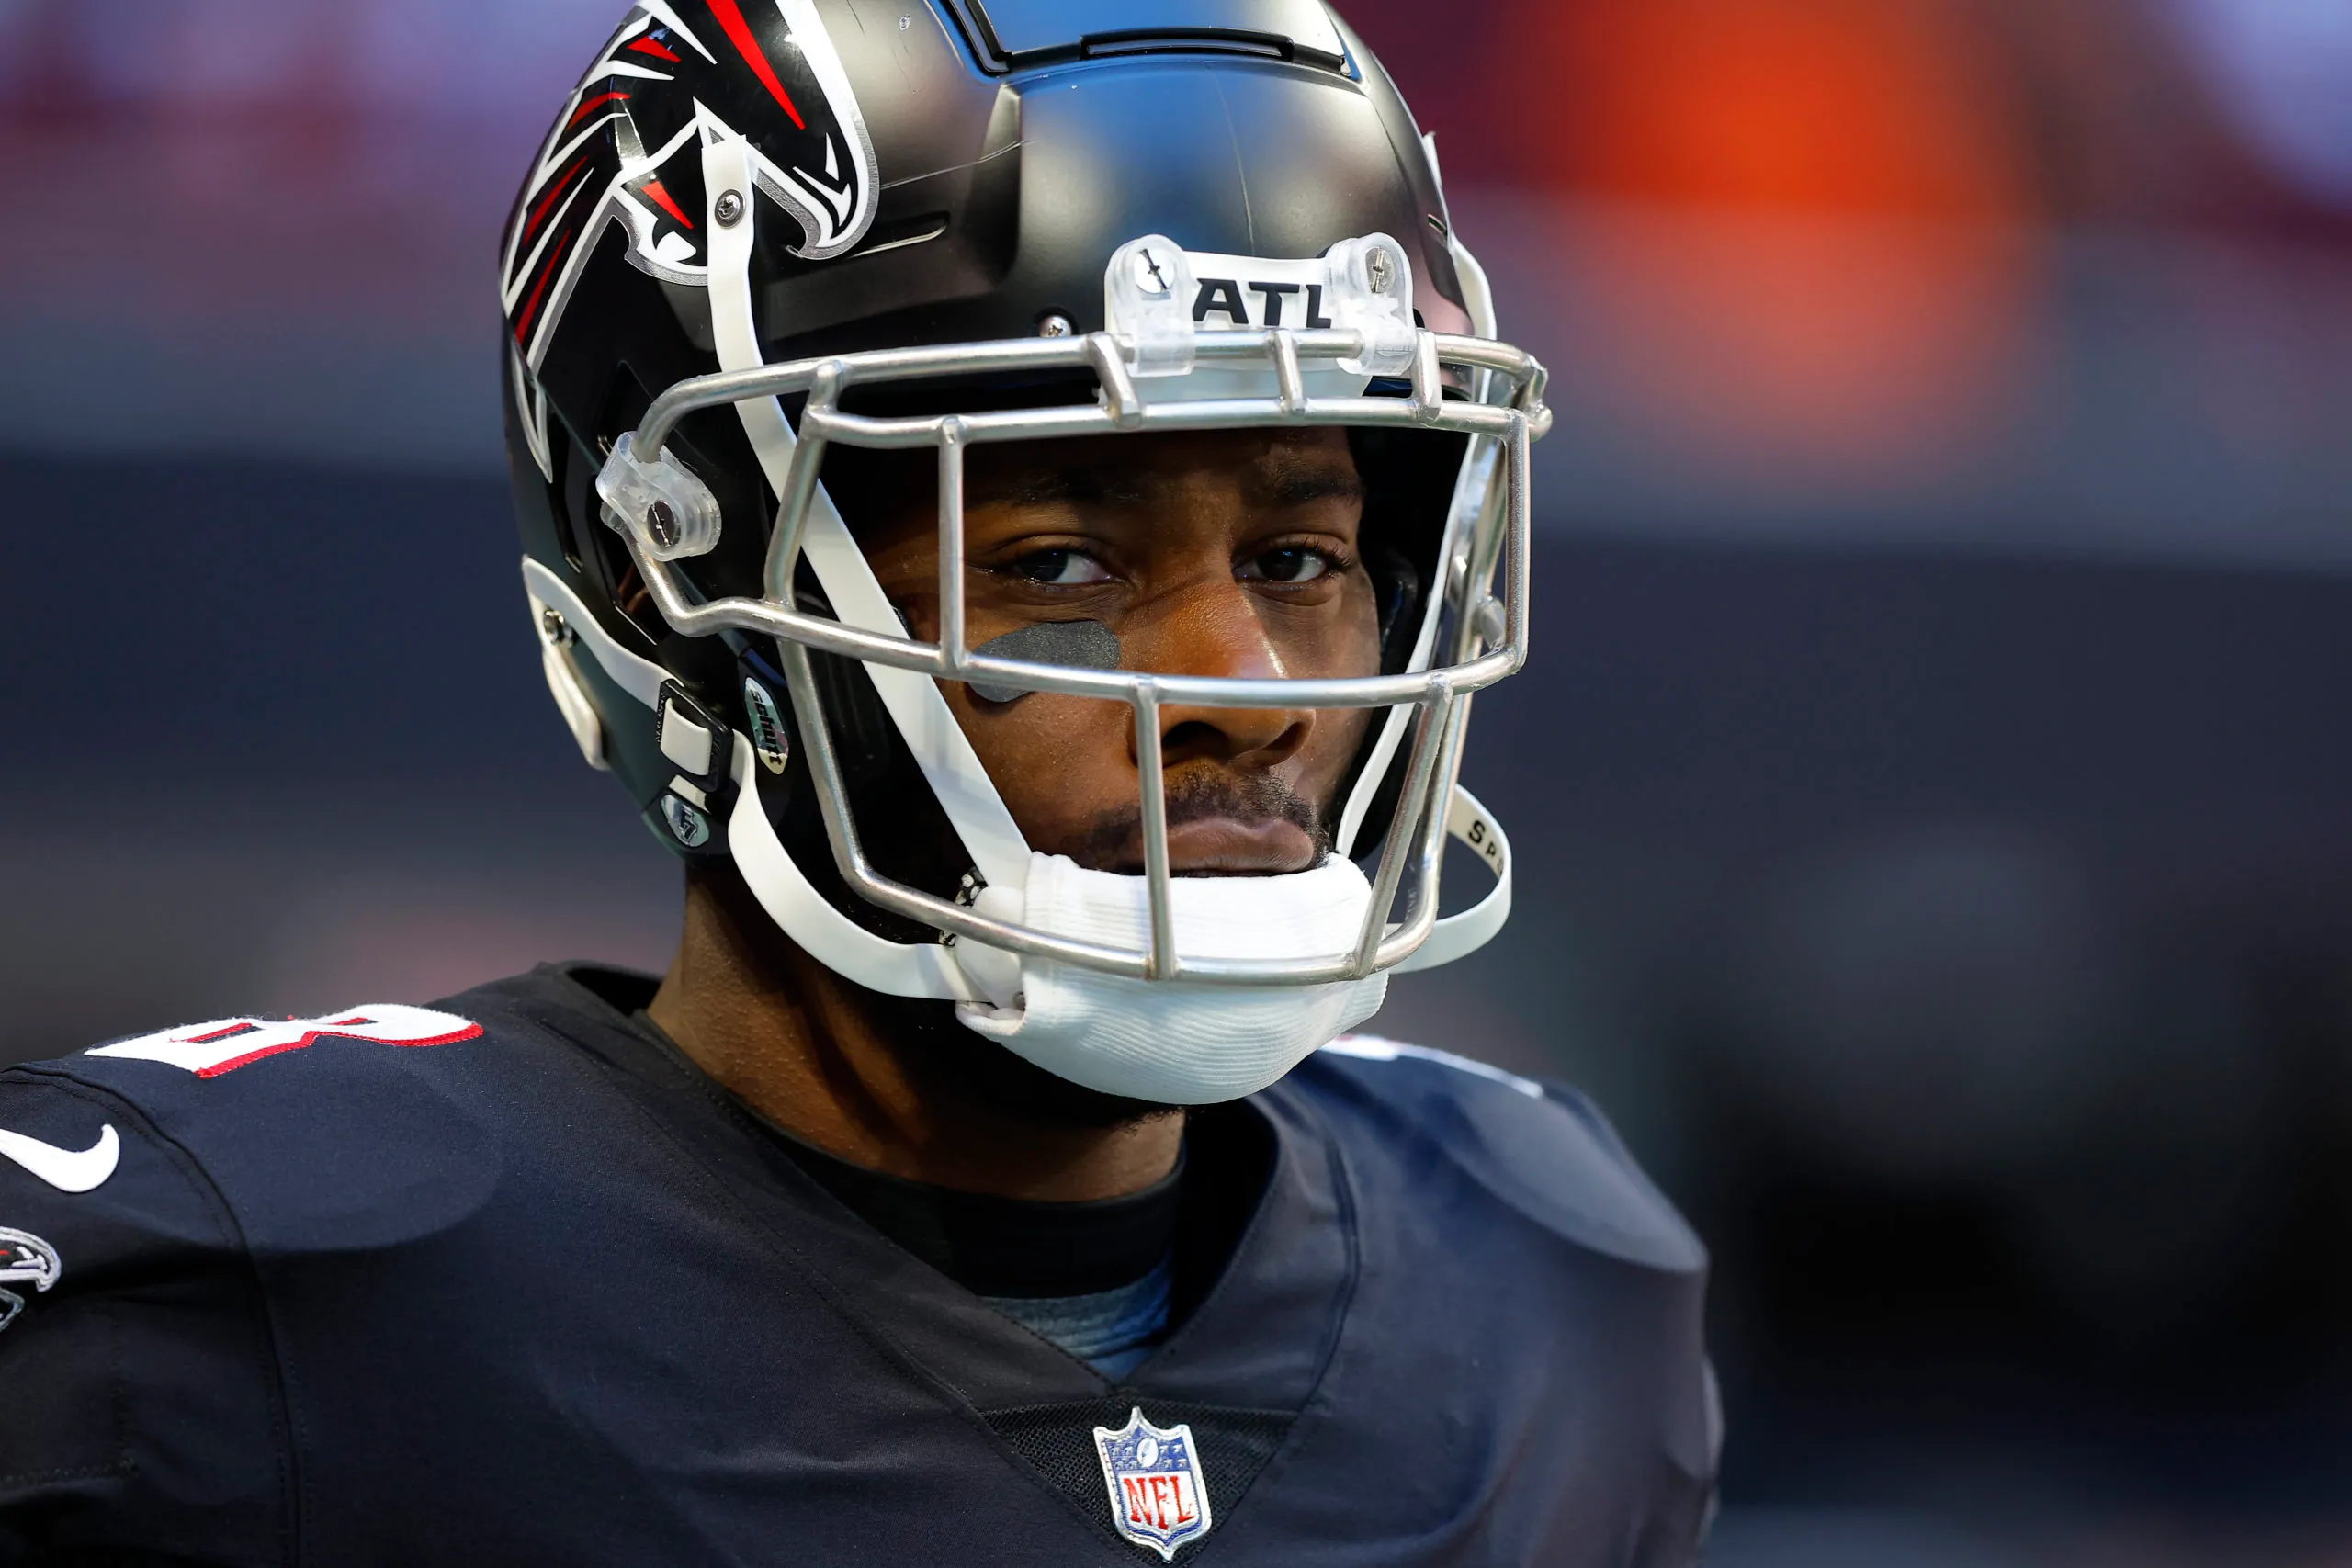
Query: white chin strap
{"type": "Point", "coordinates": [1172, 1042]}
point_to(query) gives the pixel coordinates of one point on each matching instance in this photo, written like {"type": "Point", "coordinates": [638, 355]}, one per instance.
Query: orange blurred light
{"type": "Point", "coordinates": [1817, 262]}
{"type": "Point", "coordinates": [1840, 105]}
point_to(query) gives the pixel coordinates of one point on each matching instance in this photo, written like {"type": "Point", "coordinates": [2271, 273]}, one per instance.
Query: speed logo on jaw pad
{"type": "Point", "coordinates": [1159, 1499]}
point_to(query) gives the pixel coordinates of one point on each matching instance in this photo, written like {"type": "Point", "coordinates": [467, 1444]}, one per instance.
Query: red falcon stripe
{"type": "Point", "coordinates": [653, 188]}
{"type": "Point", "coordinates": [593, 104]}
{"type": "Point", "coordinates": [739, 32]}
{"type": "Point", "coordinates": [547, 202]}
{"type": "Point", "coordinates": [653, 48]}
{"type": "Point", "coordinates": [523, 327]}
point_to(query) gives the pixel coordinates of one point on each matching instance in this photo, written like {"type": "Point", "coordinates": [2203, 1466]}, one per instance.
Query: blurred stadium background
{"type": "Point", "coordinates": [1933, 787]}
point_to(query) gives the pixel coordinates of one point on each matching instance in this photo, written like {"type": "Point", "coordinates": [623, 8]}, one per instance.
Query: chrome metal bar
{"type": "Point", "coordinates": [1034, 354]}
{"type": "Point", "coordinates": [1428, 400]}
{"type": "Point", "coordinates": [800, 487]}
{"type": "Point", "coordinates": [725, 386]}
{"type": "Point", "coordinates": [954, 655]}
{"type": "Point", "coordinates": [1510, 529]}
{"type": "Point", "coordinates": [1118, 387]}
{"type": "Point", "coordinates": [1477, 568]}
{"type": "Point", "coordinates": [1416, 847]}
{"type": "Point", "coordinates": [824, 762]}
{"type": "Point", "coordinates": [965, 924]}
{"type": "Point", "coordinates": [1073, 420]}
{"type": "Point", "coordinates": [1232, 692]}
{"type": "Point", "coordinates": [1522, 536]}
{"type": "Point", "coordinates": [1534, 381]}
{"type": "Point", "coordinates": [1287, 374]}
{"type": "Point", "coordinates": [1436, 703]}
{"type": "Point", "coordinates": [849, 852]}
{"type": "Point", "coordinates": [1152, 781]}
{"type": "Point", "coordinates": [849, 855]}
{"type": "Point", "coordinates": [690, 619]}
{"type": "Point", "coordinates": [1406, 940]}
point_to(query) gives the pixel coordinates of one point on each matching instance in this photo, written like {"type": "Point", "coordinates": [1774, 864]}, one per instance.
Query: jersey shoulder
{"type": "Point", "coordinates": [166, 1199]}
{"type": "Point", "coordinates": [263, 1065]}
{"type": "Point", "coordinates": [1543, 1148]}
{"type": "Point", "coordinates": [377, 1122]}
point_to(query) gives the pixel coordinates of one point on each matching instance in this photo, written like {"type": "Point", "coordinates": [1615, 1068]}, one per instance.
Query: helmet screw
{"type": "Point", "coordinates": [555, 628]}
{"type": "Point", "coordinates": [1381, 267]}
{"type": "Point", "coordinates": [1151, 279]}
{"type": "Point", "coordinates": [662, 524]}
{"type": "Point", "coordinates": [1053, 324]}
{"type": "Point", "coordinates": [729, 209]}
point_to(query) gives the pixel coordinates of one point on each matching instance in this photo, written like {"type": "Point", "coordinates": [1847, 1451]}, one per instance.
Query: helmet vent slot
{"type": "Point", "coordinates": [1021, 35]}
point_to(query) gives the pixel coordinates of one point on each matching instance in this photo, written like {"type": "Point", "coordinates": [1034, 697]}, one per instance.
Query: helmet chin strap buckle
{"type": "Point", "coordinates": [701, 748]}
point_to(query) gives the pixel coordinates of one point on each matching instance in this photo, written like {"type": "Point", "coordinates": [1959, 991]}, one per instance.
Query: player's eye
{"type": "Point", "coordinates": [1291, 564]}
{"type": "Point", "coordinates": [1061, 569]}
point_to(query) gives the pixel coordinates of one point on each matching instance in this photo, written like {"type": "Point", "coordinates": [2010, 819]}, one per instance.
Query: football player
{"type": "Point", "coordinates": [1022, 495]}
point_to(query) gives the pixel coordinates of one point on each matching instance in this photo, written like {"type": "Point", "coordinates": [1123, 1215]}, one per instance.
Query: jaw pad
{"type": "Point", "coordinates": [1079, 645]}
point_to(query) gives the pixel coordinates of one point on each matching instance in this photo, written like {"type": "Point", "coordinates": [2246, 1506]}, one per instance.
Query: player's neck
{"type": "Point", "coordinates": [817, 1056]}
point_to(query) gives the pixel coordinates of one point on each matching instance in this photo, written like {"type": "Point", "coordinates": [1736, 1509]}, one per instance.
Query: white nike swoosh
{"type": "Point", "coordinates": [63, 1168]}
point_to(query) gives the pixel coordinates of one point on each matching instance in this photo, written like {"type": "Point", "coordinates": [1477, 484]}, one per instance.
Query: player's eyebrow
{"type": "Point", "coordinates": [1073, 486]}
{"type": "Point", "coordinates": [1287, 481]}
{"type": "Point", "coordinates": [1287, 477]}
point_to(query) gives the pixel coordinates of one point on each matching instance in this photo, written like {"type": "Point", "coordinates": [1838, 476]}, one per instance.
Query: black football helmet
{"type": "Point", "coordinates": [762, 230]}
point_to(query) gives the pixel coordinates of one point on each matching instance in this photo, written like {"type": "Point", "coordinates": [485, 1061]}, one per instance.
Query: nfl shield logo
{"type": "Point", "coordinates": [1158, 1499]}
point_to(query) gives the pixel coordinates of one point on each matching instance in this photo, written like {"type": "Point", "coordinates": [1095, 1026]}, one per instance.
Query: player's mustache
{"type": "Point", "coordinates": [1115, 841]}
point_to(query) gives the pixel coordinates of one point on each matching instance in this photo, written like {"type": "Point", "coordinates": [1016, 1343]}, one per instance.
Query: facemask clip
{"type": "Point", "coordinates": [661, 505]}
{"type": "Point", "coordinates": [1149, 288]}
{"type": "Point", "coordinates": [1371, 285]}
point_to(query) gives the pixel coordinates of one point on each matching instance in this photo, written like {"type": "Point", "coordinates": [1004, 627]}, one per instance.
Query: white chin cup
{"type": "Point", "coordinates": [1171, 1041]}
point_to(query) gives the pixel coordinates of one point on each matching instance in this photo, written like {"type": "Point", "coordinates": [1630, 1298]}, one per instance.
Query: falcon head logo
{"type": "Point", "coordinates": [628, 149]}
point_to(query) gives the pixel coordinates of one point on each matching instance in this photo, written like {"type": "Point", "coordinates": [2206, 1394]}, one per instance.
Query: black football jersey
{"type": "Point", "coordinates": [503, 1281]}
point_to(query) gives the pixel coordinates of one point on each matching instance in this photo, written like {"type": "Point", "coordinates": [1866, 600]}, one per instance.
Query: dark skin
{"type": "Point", "coordinates": [1212, 553]}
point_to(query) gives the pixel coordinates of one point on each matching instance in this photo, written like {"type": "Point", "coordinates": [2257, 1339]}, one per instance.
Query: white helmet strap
{"type": "Point", "coordinates": [949, 765]}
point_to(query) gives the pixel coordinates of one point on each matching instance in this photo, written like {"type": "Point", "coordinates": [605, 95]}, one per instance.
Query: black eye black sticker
{"type": "Point", "coordinates": [1079, 645]}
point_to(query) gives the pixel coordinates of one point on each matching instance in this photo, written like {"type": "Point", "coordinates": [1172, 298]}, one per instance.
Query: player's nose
{"type": "Point", "coordinates": [1216, 631]}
